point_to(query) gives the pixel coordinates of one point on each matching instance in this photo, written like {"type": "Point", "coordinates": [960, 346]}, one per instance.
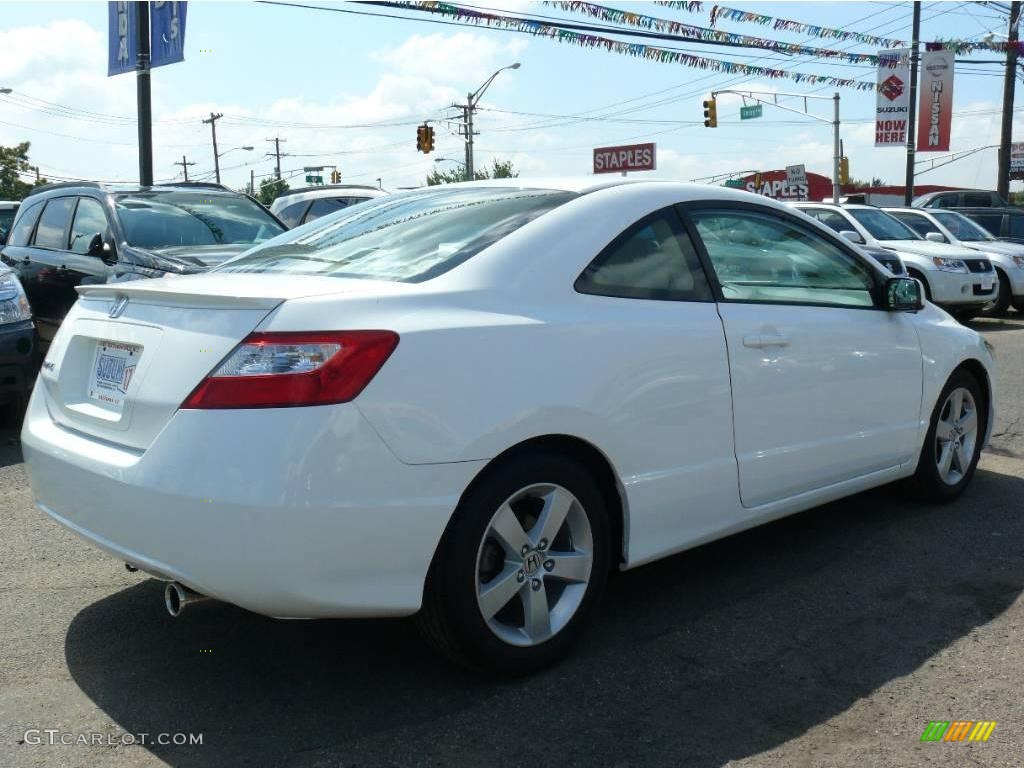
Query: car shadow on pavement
{"type": "Point", "coordinates": [713, 655]}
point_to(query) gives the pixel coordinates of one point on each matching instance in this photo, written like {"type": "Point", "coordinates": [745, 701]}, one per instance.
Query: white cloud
{"type": "Point", "coordinates": [447, 58]}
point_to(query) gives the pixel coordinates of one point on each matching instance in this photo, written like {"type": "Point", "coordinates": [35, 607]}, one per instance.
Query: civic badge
{"type": "Point", "coordinates": [118, 307]}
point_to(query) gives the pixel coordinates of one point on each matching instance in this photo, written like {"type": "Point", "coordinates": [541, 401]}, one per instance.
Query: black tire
{"type": "Point", "coordinates": [927, 483]}
{"type": "Point", "coordinates": [451, 619]}
{"type": "Point", "coordinates": [965, 315]}
{"type": "Point", "coordinates": [1018, 304]}
{"type": "Point", "coordinates": [1003, 298]}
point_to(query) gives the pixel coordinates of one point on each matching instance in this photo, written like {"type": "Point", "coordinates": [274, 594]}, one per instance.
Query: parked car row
{"type": "Point", "coordinates": [958, 279]}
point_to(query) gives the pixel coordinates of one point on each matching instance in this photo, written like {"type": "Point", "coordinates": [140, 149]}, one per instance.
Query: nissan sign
{"type": "Point", "coordinates": [632, 157]}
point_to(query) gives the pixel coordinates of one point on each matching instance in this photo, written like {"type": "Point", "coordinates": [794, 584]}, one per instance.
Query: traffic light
{"type": "Point", "coordinates": [844, 170]}
{"type": "Point", "coordinates": [711, 113]}
{"type": "Point", "coordinates": [424, 138]}
{"type": "Point", "coordinates": [757, 180]}
{"type": "Point", "coordinates": [335, 177]}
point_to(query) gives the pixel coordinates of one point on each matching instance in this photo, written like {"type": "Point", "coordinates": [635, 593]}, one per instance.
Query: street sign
{"type": "Point", "coordinates": [734, 184]}
{"type": "Point", "coordinates": [749, 113]}
{"type": "Point", "coordinates": [314, 179]}
{"type": "Point", "coordinates": [1017, 160]}
{"type": "Point", "coordinates": [632, 157]}
{"type": "Point", "coordinates": [796, 174]}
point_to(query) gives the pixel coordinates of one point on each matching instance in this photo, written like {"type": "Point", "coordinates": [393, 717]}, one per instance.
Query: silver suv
{"type": "Point", "coordinates": [300, 206]}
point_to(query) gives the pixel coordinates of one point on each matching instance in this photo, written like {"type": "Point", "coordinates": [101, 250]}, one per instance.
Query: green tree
{"type": "Point", "coordinates": [498, 170]}
{"type": "Point", "coordinates": [861, 184]}
{"type": "Point", "coordinates": [271, 189]}
{"type": "Point", "coordinates": [14, 162]}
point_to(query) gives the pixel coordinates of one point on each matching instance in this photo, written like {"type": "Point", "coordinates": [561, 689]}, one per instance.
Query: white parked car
{"type": "Point", "coordinates": [956, 229]}
{"type": "Point", "coordinates": [957, 279]}
{"type": "Point", "coordinates": [301, 206]}
{"type": "Point", "coordinates": [472, 401]}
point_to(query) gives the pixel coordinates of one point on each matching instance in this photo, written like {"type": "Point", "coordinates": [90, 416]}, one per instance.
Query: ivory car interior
{"type": "Point", "coordinates": [470, 402]}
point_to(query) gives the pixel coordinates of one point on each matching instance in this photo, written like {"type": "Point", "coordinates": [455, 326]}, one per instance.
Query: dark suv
{"type": "Point", "coordinates": [73, 233]}
{"type": "Point", "coordinates": [1002, 223]}
{"type": "Point", "coordinates": [960, 198]}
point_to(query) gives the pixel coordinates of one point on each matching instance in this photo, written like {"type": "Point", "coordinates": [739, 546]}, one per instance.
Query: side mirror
{"type": "Point", "coordinates": [903, 294]}
{"type": "Point", "coordinates": [853, 237]}
{"type": "Point", "coordinates": [935, 237]}
{"type": "Point", "coordinates": [96, 246]}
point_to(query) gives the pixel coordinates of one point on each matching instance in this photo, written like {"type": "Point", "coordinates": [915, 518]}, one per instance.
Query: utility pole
{"type": "Point", "coordinates": [213, 128]}
{"type": "Point", "coordinates": [1009, 81]}
{"type": "Point", "coordinates": [837, 153]}
{"type": "Point", "coordinates": [252, 182]}
{"type": "Point", "coordinates": [144, 95]}
{"type": "Point", "coordinates": [184, 166]}
{"type": "Point", "coordinates": [277, 154]}
{"type": "Point", "coordinates": [908, 192]}
{"type": "Point", "coordinates": [467, 112]}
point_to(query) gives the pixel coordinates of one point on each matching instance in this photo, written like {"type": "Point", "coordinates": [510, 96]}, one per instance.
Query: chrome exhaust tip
{"type": "Point", "coordinates": [176, 597]}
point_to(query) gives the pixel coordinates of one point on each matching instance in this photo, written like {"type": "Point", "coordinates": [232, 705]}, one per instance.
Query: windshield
{"type": "Point", "coordinates": [407, 237]}
{"type": "Point", "coordinates": [169, 219]}
{"type": "Point", "coordinates": [881, 225]}
{"type": "Point", "coordinates": [961, 227]}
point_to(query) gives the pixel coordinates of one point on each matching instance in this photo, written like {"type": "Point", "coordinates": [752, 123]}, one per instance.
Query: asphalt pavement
{"type": "Point", "coordinates": [830, 638]}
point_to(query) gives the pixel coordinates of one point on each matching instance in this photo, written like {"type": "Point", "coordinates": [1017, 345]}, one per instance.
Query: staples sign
{"type": "Point", "coordinates": [633, 157]}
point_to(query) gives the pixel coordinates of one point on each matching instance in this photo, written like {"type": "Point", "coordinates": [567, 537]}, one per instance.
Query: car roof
{"type": "Point", "coordinates": [123, 187]}
{"type": "Point", "coordinates": [9, 203]}
{"type": "Point", "coordinates": [986, 209]}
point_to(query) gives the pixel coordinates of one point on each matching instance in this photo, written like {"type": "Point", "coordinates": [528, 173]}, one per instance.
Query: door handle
{"type": "Point", "coordinates": [762, 340]}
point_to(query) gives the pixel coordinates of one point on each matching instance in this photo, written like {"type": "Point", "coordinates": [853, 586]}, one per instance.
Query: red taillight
{"type": "Point", "coordinates": [281, 370]}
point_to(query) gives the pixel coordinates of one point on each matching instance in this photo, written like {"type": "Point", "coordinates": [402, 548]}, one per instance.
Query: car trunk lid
{"type": "Point", "coordinates": [128, 354]}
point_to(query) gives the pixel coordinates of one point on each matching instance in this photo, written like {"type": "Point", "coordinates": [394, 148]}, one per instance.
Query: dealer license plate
{"type": "Point", "coordinates": [112, 371]}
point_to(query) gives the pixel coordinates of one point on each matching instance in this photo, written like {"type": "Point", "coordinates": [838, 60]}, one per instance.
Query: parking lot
{"type": "Point", "coordinates": [830, 638]}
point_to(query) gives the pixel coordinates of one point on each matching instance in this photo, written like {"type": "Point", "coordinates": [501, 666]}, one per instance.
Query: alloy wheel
{"type": "Point", "coordinates": [956, 435]}
{"type": "Point", "coordinates": [534, 564]}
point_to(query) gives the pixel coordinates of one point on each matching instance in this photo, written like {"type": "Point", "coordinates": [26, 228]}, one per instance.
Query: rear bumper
{"type": "Point", "coordinates": [295, 512]}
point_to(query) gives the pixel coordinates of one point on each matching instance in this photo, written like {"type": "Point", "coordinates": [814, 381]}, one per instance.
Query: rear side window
{"type": "Point", "coordinates": [25, 224]}
{"type": "Point", "coordinates": [1016, 226]}
{"type": "Point", "coordinates": [991, 221]}
{"type": "Point", "coordinates": [830, 219]}
{"type": "Point", "coordinates": [291, 215]}
{"type": "Point", "coordinates": [982, 199]}
{"type": "Point", "coordinates": [653, 259]}
{"type": "Point", "coordinates": [53, 224]}
{"type": "Point", "coordinates": [919, 224]}
{"type": "Point", "coordinates": [324, 206]}
{"type": "Point", "coordinates": [408, 237]}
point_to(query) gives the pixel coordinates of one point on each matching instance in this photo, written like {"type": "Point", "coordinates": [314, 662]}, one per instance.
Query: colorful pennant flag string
{"type": "Point", "coordinates": [651, 53]}
{"type": "Point", "coordinates": [666, 26]}
{"type": "Point", "coordinates": [786, 25]}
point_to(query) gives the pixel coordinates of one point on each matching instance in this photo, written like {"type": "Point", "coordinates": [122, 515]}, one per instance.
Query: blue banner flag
{"type": "Point", "coordinates": [167, 32]}
{"type": "Point", "coordinates": [123, 26]}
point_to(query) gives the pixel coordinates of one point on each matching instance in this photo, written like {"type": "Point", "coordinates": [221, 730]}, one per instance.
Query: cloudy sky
{"type": "Point", "coordinates": [347, 89]}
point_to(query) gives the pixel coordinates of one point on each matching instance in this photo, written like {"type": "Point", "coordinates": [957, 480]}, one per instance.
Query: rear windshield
{"type": "Point", "coordinates": [882, 226]}
{"type": "Point", "coordinates": [168, 219]}
{"type": "Point", "coordinates": [407, 237]}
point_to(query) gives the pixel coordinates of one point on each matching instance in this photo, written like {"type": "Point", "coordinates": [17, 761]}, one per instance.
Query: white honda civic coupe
{"type": "Point", "coordinates": [471, 402]}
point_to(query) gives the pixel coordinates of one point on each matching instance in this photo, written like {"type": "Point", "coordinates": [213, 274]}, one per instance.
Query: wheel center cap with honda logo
{"type": "Point", "coordinates": [532, 562]}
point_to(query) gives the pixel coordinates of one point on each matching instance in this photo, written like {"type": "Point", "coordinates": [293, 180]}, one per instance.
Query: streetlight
{"type": "Point", "coordinates": [471, 101]}
{"type": "Point", "coordinates": [448, 160]}
{"type": "Point", "coordinates": [219, 155]}
{"type": "Point", "coordinates": [5, 91]}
